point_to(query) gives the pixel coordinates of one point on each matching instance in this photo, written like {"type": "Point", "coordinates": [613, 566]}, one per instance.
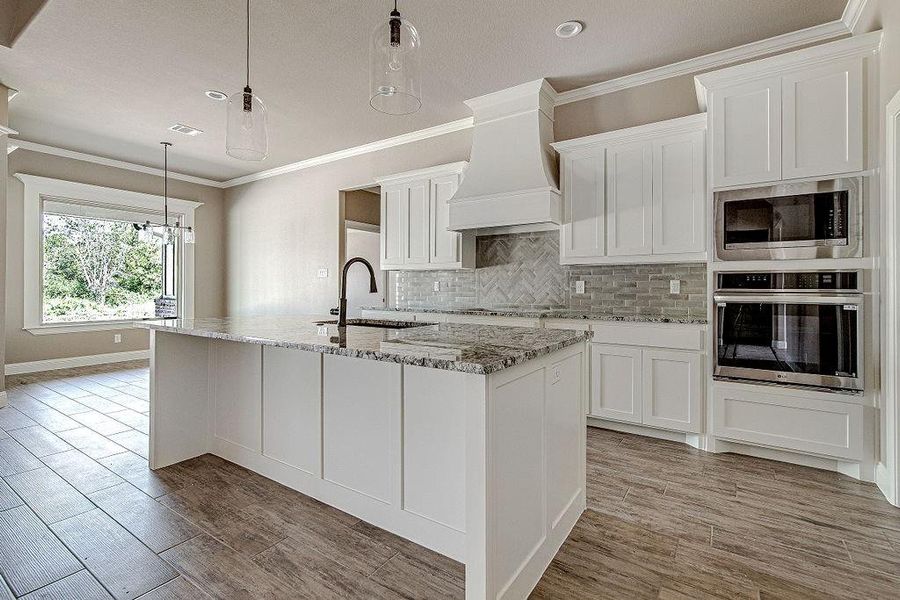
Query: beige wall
{"type": "Point", "coordinates": [281, 230]}
{"type": "Point", "coordinates": [362, 206]}
{"type": "Point", "coordinates": [209, 267]}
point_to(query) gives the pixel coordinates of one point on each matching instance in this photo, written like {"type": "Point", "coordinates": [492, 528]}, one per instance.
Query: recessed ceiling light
{"type": "Point", "coordinates": [185, 129]}
{"type": "Point", "coordinates": [569, 29]}
{"type": "Point", "coordinates": [216, 95]}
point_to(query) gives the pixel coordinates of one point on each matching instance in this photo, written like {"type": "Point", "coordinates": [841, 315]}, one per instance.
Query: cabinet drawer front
{"type": "Point", "coordinates": [653, 335]}
{"type": "Point", "coordinates": [616, 383]}
{"type": "Point", "coordinates": [809, 425]}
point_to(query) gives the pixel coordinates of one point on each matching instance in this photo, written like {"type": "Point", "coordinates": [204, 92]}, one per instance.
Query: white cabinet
{"type": "Point", "coordinates": [635, 194]}
{"type": "Point", "coordinates": [822, 120]}
{"type": "Point", "coordinates": [583, 232]}
{"type": "Point", "coordinates": [414, 219]}
{"type": "Point", "coordinates": [628, 199]}
{"type": "Point", "coordinates": [746, 130]}
{"type": "Point", "coordinates": [793, 116]}
{"type": "Point", "coordinates": [679, 194]}
{"type": "Point", "coordinates": [672, 389]}
{"type": "Point", "coordinates": [616, 383]}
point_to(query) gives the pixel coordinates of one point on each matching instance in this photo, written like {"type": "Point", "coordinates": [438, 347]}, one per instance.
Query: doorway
{"type": "Point", "coordinates": [360, 235]}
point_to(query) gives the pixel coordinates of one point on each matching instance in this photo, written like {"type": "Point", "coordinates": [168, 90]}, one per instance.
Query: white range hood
{"type": "Point", "coordinates": [512, 177]}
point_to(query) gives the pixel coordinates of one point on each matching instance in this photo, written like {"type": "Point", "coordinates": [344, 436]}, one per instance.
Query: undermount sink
{"type": "Point", "coordinates": [379, 323]}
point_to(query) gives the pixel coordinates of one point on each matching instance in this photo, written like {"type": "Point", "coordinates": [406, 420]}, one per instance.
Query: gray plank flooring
{"type": "Point", "coordinates": [82, 516]}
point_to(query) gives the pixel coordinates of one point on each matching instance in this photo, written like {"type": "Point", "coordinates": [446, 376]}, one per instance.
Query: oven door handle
{"type": "Point", "coordinates": [856, 299]}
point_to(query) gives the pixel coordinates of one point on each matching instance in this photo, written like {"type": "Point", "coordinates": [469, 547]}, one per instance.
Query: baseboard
{"type": "Point", "coordinates": [54, 364]}
{"type": "Point", "coordinates": [662, 434]}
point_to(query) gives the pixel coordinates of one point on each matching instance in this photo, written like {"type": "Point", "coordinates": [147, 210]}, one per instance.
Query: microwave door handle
{"type": "Point", "coordinates": [787, 299]}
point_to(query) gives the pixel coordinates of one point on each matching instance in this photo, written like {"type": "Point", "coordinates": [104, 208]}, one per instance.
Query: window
{"type": "Point", "coordinates": [87, 268]}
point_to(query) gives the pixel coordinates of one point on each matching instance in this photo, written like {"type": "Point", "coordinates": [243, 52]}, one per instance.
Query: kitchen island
{"type": "Point", "coordinates": [466, 439]}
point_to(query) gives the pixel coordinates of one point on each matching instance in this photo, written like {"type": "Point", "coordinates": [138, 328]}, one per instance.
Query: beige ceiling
{"type": "Point", "coordinates": [108, 77]}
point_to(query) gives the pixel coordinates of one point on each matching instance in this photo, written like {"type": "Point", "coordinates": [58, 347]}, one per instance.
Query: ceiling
{"type": "Point", "coordinates": [108, 78]}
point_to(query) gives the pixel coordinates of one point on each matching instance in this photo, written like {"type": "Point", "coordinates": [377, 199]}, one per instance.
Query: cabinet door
{"type": "Point", "coordinates": [823, 120]}
{"type": "Point", "coordinates": [392, 239]}
{"type": "Point", "coordinates": [746, 130]}
{"type": "Point", "coordinates": [616, 383]}
{"type": "Point", "coordinates": [583, 233]}
{"type": "Point", "coordinates": [445, 245]}
{"type": "Point", "coordinates": [679, 194]}
{"type": "Point", "coordinates": [673, 388]}
{"type": "Point", "coordinates": [628, 199]}
{"type": "Point", "coordinates": [418, 224]}
{"type": "Point", "coordinates": [235, 380]}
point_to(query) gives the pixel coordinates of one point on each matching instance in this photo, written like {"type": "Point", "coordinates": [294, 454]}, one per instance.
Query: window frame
{"type": "Point", "coordinates": [38, 189]}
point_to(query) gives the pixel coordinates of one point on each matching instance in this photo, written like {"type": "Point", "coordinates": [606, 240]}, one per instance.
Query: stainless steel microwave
{"type": "Point", "coordinates": [817, 219]}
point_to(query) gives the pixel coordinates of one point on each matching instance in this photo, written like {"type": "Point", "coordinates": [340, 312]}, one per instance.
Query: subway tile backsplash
{"type": "Point", "coordinates": [523, 271]}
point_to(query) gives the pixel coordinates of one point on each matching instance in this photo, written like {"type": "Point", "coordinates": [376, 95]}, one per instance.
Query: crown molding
{"type": "Point", "coordinates": [399, 140]}
{"type": "Point", "coordinates": [686, 124]}
{"type": "Point", "coordinates": [455, 168]}
{"type": "Point", "coordinates": [108, 162]}
{"type": "Point", "coordinates": [852, 12]}
{"type": "Point", "coordinates": [707, 62]}
{"type": "Point", "coordinates": [850, 47]}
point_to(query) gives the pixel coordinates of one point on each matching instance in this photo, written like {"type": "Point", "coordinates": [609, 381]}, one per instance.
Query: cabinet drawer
{"type": "Point", "coordinates": [653, 335]}
{"type": "Point", "coordinates": [805, 424]}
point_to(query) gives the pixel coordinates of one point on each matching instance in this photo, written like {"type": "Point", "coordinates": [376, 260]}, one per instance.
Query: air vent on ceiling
{"type": "Point", "coordinates": [185, 129]}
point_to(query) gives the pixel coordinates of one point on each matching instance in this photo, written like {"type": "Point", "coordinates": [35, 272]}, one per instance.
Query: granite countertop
{"type": "Point", "coordinates": [551, 314]}
{"type": "Point", "coordinates": [479, 349]}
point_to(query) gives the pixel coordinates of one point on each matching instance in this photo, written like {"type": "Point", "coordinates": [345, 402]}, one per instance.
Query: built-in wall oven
{"type": "Point", "coordinates": [798, 328]}
{"type": "Point", "coordinates": [817, 219]}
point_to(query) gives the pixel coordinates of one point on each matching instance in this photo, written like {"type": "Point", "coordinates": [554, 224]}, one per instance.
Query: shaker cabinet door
{"type": "Point", "coordinates": [583, 233]}
{"type": "Point", "coordinates": [679, 196]}
{"type": "Point", "coordinates": [393, 203]}
{"type": "Point", "coordinates": [417, 228]}
{"type": "Point", "coordinates": [746, 124]}
{"type": "Point", "coordinates": [823, 120]}
{"type": "Point", "coordinates": [616, 383]}
{"type": "Point", "coordinates": [445, 245]}
{"type": "Point", "coordinates": [673, 389]}
{"type": "Point", "coordinates": [628, 199]}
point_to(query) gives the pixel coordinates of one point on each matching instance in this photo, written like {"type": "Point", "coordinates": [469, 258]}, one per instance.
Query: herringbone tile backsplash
{"type": "Point", "coordinates": [523, 271]}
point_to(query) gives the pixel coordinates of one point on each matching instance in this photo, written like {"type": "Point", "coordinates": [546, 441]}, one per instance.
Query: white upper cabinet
{"type": "Point", "coordinates": [583, 232]}
{"type": "Point", "coordinates": [417, 247]}
{"type": "Point", "coordinates": [628, 199]}
{"type": "Point", "coordinates": [746, 130]}
{"type": "Point", "coordinates": [393, 205]}
{"type": "Point", "coordinates": [679, 193]}
{"type": "Point", "coordinates": [635, 195]}
{"type": "Point", "coordinates": [445, 245]}
{"type": "Point", "coordinates": [823, 120]}
{"type": "Point", "coordinates": [414, 219]}
{"type": "Point", "coordinates": [793, 116]}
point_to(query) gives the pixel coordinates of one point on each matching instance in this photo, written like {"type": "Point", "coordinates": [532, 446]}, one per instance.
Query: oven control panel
{"type": "Point", "coordinates": [802, 281]}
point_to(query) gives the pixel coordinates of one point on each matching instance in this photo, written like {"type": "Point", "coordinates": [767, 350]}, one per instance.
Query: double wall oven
{"type": "Point", "coordinates": [800, 328]}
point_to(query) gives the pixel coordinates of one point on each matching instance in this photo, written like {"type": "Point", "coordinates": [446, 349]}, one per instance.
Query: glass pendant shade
{"type": "Point", "coordinates": [394, 69]}
{"type": "Point", "coordinates": [247, 135]}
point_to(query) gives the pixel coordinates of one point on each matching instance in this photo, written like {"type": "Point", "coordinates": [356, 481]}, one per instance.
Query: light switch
{"type": "Point", "coordinates": [117, 338]}
{"type": "Point", "coordinates": [579, 287]}
{"type": "Point", "coordinates": [323, 273]}
{"type": "Point", "coordinates": [675, 286]}
{"type": "Point", "coordinates": [437, 286]}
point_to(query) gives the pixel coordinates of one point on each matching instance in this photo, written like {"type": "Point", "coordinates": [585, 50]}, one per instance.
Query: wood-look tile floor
{"type": "Point", "coordinates": [82, 517]}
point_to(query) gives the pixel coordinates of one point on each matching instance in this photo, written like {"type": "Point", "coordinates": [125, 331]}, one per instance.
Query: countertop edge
{"type": "Point", "coordinates": [550, 314]}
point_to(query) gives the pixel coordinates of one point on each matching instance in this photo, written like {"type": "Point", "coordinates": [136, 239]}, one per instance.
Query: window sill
{"type": "Point", "coordinates": [77, 327]}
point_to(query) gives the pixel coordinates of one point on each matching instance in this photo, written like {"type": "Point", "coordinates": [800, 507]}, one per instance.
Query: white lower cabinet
{"type": "Point", "coordinates": [616, 383]}
{"type": "Point", "coordinates": [647, 386]}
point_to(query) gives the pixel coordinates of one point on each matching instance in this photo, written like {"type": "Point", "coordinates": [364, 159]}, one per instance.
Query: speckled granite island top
{"type": "Point", "coordinates": [479, 349]}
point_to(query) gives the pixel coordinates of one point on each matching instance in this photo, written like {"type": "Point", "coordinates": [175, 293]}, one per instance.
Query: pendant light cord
{"type": "Point", "coordinates": [248, 43]}
{"type": "Point", "coordinates": [166, 181]}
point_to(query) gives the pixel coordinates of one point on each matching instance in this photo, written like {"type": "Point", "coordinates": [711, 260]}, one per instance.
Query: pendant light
{"type": "Point", "coordinates": [247, 136]}
{"type": "Point", "coordinates": [395, 85]}
{"type": "Point", "coordinates": [167, 233]}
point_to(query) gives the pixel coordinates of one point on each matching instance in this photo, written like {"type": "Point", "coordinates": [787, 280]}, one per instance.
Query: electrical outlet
{"type": "Point", "coordinates": [437, 286]}
{"type": "Point", "coordinates": [675, 286]}
{"type": "Point", "coordinates": [579, 287]}
{"type": "Point", "coordinates": [554, 374]}
{"type": "Point", "coordinates": [323, 273]}
{"type": "Point", "coordinates": [117, 338]}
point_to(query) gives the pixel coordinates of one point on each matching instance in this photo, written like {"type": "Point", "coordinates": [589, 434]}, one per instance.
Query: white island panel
{"type": "Point", "coordinates": [292, 408]}
{"type": "Point", "coordinates": [361, 405]}
{"type": "Point", "coordinates": [237, 392]}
